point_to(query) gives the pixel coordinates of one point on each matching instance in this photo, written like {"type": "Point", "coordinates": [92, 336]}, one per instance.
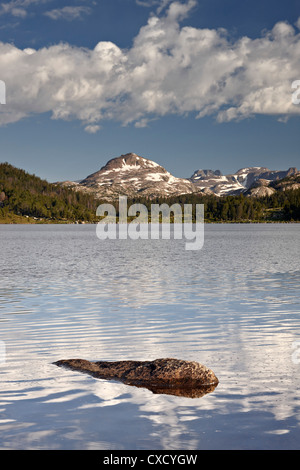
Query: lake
{"type": "Point", "coordinates": [233, 306]}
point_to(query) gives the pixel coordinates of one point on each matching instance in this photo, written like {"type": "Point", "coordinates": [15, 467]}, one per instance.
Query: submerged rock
{"type": "Point", "coordinates": [169, 376]}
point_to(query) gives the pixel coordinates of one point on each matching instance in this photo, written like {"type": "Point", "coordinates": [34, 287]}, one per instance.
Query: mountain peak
{"type": "Point", "coordinates": [129, 161]}
{"type": "Point", "coordinates": [130, 174]}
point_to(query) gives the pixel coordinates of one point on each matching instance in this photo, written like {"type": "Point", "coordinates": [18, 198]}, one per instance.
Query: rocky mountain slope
{"type": "Point", "coordinates": [258, 178]}
{"type": "Point", "coordinates": [132, 175]}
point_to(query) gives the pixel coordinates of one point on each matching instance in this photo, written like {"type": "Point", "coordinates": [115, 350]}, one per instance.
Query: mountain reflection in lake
{"type": "Point", "coordinates": [233, 306]}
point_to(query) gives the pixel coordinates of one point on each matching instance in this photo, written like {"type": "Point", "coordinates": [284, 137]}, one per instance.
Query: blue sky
{"type": "Point", "coordinates": [189, 84]}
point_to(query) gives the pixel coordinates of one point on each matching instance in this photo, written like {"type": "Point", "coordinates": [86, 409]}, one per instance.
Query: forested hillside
{"type": "Point", "coordinates": [25, 195]}
{"type": "Point", "coordinates": [27, 198]}
{"type": "Point", "coordinates": [280, 206]}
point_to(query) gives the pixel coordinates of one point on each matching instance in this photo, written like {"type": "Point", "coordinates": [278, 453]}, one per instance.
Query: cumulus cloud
{"type": "Point", "coordinates": [168, 70]}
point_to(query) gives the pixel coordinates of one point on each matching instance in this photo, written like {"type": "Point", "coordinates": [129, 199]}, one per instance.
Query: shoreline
{"type": "Point", "coordinates": [206, 222]}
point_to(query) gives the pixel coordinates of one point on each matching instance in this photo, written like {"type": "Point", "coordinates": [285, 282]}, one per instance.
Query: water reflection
{"type": "Point", "coordinates": [159, 379]}
{"type": "Point", "coordinates": [233, 306]}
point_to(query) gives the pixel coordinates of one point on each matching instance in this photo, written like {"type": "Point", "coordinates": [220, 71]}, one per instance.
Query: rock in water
{"type": "Point", "coordinates": [169, 376]}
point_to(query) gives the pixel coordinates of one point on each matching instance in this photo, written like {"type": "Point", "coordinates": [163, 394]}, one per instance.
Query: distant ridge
{"type": "Point", "coordinates": [239, 182]}
{"type": "Point", "coordinates": [135, 176]}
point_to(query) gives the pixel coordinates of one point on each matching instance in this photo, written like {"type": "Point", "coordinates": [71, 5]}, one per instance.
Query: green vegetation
{"type": "Point", "coordinates": [25, 198]}
{"type": "Point", "coordinates": [282, 206]}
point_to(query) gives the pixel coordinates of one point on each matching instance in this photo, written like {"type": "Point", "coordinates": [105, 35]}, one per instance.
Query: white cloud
{"type": "Point", "coordinates": [147, 3]}
{"type": "Point", "coordinates": [168, 70]}
{"type": "Point", "coordinates": [19, 8]}
{"type": "Point", "coordinates": [68, 13]}
{"type": "Point", "coordinates": [178, 11]}
{"type": "Point", "coordinates": [160, 4]}
{"type": "Point", "coordinates": [19, 12]}
{"type": "Point", "coordinates": [92, 129]}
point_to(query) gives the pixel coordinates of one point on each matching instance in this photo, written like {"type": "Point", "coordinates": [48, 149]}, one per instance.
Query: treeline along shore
{"type": "Point", "coordinates": [26, 198]}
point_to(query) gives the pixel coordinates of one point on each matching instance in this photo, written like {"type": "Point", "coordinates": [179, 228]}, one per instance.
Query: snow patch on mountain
{"type": "Point", "coordinates": [238, 182]}
{"type": "Point", "coordinates": [132, 175]}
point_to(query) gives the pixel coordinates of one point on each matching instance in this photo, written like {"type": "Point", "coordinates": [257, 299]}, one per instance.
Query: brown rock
{"type": "Point", "coordinates": [170, 376]}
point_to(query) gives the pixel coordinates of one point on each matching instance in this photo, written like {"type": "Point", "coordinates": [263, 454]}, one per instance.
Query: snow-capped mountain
{"type": "Point", "coordinates": [214, 182]}
{"type": "Point", "coordinates": [131, 175]}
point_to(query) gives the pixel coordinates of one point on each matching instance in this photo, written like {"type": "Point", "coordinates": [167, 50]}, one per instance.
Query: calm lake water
{"type": "Point", "coordinates": [233, 306]}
